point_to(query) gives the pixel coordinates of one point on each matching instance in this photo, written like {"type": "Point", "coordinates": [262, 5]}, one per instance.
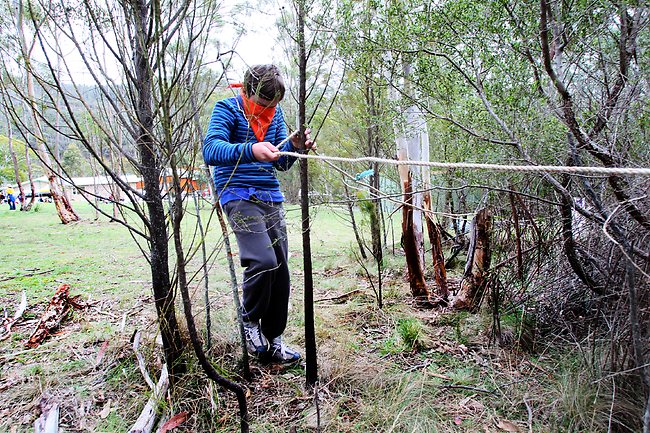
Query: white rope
{"type": "Point", "coordinates": [641, 171]}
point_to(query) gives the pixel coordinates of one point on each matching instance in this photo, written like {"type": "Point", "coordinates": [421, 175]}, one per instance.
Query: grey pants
{"type": "Point", "coordinates": [261, 234]}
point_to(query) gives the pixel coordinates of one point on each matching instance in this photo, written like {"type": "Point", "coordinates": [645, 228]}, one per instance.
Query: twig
{"type": "Point", "coordinates": [611, 407]}
{"type": "Point", "coordinates": [342, 298]}
{"type": "Point", "coordinates": [530, 414]}
{"type": "Point", "coordinates": [13, 277]}
{"type": "Point", "coordinates": [438, 375]}
{"type": "Point", "coordinates": [235, 291]}
{"type": "Point", "coordinates": [618, 373]}
{"type": "Point", "coordinates": [469, 388]}
{"type": "Point", "coordinates": [624, 249]}
{"type": "Point", "coordinates": [141, 363]}
{"type": "Point", "coordinates": [317, 407]}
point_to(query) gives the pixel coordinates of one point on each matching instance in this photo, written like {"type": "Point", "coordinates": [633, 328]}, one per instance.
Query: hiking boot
{"type": "Point", "coordinates": [281, 353]}
{"type": "Point", "coordinates": [256, 342]}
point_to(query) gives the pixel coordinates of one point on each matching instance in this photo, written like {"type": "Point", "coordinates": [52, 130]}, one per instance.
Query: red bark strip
{"type": "Point", "coordinates": [413, 264]}
{"type": "Point", "coordinates": [174, 422]}
{"type": "Point", "coordinates": [58, 310]}
{"type": "Point", "coordinates": [439, 270]}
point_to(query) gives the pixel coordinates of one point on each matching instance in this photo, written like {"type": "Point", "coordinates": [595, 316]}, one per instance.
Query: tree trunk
{"type": "Point", "coordinates": [515, 223]}
{"type": "Point", "coordinates": [176, 217]}
{"type": "Point", "coordinates": [28, 163]}
{"type": "Point", "coordinates": [412, 143]}
{"type": "Point", "coordinates": [151, 170]}
{"type": "Point", "coordinates": [412, 236]}
{"type": "Point", "coordinates": [311, 368]}
{"type": "Point", "coordinates": [372, 135]}
{"type": "Point", "coordinates": [14, 161]}
{"type": "Point", "coordinates": [478, 262]}
{"type": "Point", "coordinates": [235, 290]}
{"type": "Point", "coordinates": [355, 229]}
{"type": "Point", "coordinates": [409, 244]}
{"type": "Point", "coordinates": [439, 270]}
{"type": "Point", "coordinates": [63, 207]}
{"type": "Point", "coordinates": [116, 192]}
{"type": "Point", "coordinates": [95, 193]}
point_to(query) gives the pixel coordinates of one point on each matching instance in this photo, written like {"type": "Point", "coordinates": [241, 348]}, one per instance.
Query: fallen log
{"type": "Point", "coordinates": [57, 310]}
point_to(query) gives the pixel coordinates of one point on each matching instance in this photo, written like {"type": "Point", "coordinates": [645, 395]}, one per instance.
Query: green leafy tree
{"type": "Point", "coordinates": [74, 163]}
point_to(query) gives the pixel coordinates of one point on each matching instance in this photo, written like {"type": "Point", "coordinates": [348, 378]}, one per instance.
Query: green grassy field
{"type": "Point", "coordinates": [398, 369]}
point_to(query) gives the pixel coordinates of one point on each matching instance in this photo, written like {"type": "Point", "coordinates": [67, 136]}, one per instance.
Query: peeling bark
{"type": "Point", "coordinates": [410, 245]}
{"type": "Point", "coordinates": [439, 270]}
{"type": "Point", "coordinates": [48, 422]}
{"type": "Point", "coordinates": [57, 310]}
{"type": "Point", "coordinates": [478, 262]}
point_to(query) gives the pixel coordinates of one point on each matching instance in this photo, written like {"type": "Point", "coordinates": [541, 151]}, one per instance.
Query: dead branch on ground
{"type": "Point", "coordinates": [59, 308]}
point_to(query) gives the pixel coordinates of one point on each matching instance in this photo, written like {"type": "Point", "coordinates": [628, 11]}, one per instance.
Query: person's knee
{"type": "Point", "coordinates": [265, 263]}
{"type": "Point", "coordinates": [260, 263]}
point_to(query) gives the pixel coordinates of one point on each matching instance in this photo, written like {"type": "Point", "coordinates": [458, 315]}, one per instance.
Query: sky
{"type": "Point", "coordinates": [254, 46]}
{"type": "Point", "coordinates": [258, 44]}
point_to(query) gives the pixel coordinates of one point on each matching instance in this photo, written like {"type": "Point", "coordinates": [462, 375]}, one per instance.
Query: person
{"type": "Point", "coordinates": [11, 199]}
{"type": "Point", "coordinates": [242, 142]}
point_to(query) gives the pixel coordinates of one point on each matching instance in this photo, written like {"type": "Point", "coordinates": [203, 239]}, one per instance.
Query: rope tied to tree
{"type": "Point", "coordinates": [609, 171]}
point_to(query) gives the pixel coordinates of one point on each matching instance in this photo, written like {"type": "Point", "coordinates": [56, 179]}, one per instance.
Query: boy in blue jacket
{"type": "Point", "coordinates": [242, 144]}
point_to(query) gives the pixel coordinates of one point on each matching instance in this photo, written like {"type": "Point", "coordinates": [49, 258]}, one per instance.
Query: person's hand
{"type": "Point", "coordinates": [265, 152]}
{"type": "Point", "coordinates": [309, 143]}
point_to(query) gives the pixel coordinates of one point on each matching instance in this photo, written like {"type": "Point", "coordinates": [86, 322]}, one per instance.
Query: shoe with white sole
{"type": "Point", "coordinates": [256, 342]}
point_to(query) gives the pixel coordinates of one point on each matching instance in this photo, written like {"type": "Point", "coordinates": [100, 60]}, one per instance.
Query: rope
{"type": "Point", "coordinates": [641, 171]}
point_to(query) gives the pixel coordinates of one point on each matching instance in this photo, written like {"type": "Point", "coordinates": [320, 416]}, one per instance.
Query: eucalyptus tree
{"type": "Point", "coordinates": [395, 126]}
{"type": "Point", "coordinates": [546, 83]}
{"type": "Point", "coordinates": [21, 47]}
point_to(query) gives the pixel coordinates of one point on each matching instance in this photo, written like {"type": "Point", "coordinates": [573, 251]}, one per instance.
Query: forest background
{"type": "Point", "coordinates": [547, 270]}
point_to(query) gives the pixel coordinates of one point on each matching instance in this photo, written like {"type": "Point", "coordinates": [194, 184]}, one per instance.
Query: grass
{"type": "Point", "coordinates": [393, 370]}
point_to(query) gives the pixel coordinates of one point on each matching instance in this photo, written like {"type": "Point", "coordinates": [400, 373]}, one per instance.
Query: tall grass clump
{"type": "Point", "coordinates": [411, 333]}
{"type": "Point", "coordinates": [584, 398]}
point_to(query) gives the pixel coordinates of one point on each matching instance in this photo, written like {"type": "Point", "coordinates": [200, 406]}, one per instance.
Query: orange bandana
{"type": "Point", "coordinates": [259, 117]}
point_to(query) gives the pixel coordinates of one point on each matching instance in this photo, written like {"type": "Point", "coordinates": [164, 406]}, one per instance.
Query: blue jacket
{"type": "Point", "coordinates": [228, 146]}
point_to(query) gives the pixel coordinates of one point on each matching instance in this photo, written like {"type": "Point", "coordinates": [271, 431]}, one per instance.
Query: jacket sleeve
{"type": "Point", "coordinates": [284, 162]}
{"type": "Point", "coordinates": [217, 148]}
